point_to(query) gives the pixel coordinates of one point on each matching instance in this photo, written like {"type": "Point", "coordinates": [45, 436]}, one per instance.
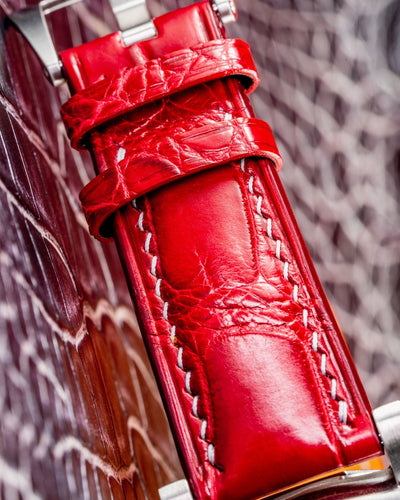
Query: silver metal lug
{"type": "Point", "coordinates": [31, 23]}
{"type": "Point", "coordinates": [176, 491]}
{"type": "Point", "coordinates": [134, 20]}
{"type": "Point", "coordinates": [341, 482]}
{"type": "Point", "coordinates": [226, 9]}
{"type": "Point", "coordinates": [384, 495]}
{"type": "Point", "coordinates": [387, 419]}
{"type": "Point", "coordinates": [132, 16]}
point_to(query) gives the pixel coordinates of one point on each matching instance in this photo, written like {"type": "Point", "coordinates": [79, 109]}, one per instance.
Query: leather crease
{"type": "Point", "coordinates": [252, 366]}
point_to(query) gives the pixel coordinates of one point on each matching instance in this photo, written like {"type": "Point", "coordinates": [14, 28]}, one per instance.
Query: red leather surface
{"type": "Point", "coordinates": [255, 374]}
{"type": "Point", "coordinates": [170, 154]}
{"type": "Point", "coordinates": [136, 86]}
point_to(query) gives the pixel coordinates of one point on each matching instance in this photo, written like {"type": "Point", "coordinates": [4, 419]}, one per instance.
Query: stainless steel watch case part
{"type": "Point", "coordinates": [387, 419]}
{"type": "Point", "coordinates": [31, 23]}
{"type": "Point", "coordinates": [132, 16]}
{"type": "Point", "coordinates": [342, 481]}
{"type": "Point", "coordinates": [226, 10]}
{"type": "Point", "coordinates": [338, 483]}
{"type": "Point", "coordinates": [386, 495]}
{"type": "Point", "coordinates": [179, 490]}
{"type": "Point", "coordinates": [134, 20]}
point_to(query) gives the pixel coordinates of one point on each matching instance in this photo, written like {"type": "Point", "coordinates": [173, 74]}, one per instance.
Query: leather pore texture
{"type": "Point", "coordinates": [136, 86]}
{"type": "Point", "coordinates": [170, 154]}
{"type": "Point", "coordinates": [256, 377]}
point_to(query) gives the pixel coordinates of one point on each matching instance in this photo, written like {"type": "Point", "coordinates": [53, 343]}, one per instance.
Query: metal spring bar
{"type": "Point", "coordinates": [132, 16]}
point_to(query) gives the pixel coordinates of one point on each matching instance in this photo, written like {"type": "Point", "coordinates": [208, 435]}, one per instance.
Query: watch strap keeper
{"type": "Point", "coordinates": [179, 155]}
{"type": "Point", "coordinates": [136, 86]}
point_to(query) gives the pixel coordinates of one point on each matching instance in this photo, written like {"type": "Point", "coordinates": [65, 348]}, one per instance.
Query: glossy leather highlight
{"type": "Point", "coordinates": [137, 86]}
{"type": "Point", "coordinates": [167, 156]}
{"type": "Point", "coordinates": [256, 377]}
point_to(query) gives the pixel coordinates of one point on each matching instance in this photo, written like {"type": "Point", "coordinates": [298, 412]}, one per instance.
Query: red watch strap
{"type": "Point", "coordinates": [136, 86]}
{"type": "Point", "coordinates": [178, 155]}
{"type": "Point", "coordinates": [257, 380]}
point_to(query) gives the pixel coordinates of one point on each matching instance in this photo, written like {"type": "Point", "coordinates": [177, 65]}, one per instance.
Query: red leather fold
{"type": "Point", "coordinates": [178, 155]}
{"type": "Point", "coordinates": [139, 85]}
{"type": "Point", "coordinates": [256, 377]}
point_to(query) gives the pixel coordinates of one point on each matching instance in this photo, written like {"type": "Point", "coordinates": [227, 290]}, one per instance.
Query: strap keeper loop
{"type": "Point", "coordinates": [137, 86]}
{"type": "Point", "coordinates": [199, 149]}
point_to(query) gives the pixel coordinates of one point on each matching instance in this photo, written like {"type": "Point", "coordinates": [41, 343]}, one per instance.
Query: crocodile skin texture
{"type": "Point", "coordinates": [137, 86]}
{"type": "Point", "coordinates": [179, 154]}
{"type": "Point", "coordinates": [81, 417]}
{"type": "Point", "coordinates": [258, 383]}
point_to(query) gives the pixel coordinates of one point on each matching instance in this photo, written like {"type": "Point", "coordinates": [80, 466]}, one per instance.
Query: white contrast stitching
{"type": "Point", "coordinates": [140, 221]}
{"type": "Point", "coordinates": [315, 342]}
{"type": "Point", "coordinates": [147, 242]}
{"type": "Point", "coordinates": [158, 287]}
{"type": "Point", "coordinates": [343, 412]}
{"type": "Point", "coordinates": [203, 429]}
{"type": "Point", "coordinates": [165, 310]}
{"type": "Point", "coordinates": [172, 334]}
{"type": "Point", "coordinates": [278, 249]}
{"type": "Point", "coordinates": [269, 228]}
{"type": "Point", "coordinates": [211, 454]}
{"type": "Point", "coordinates": [153, 270]}
{"type": "Point", "coordinates": [323, 364]}
{"type": "Point", "coordinates": [180, 358]}
{"type": "Point", "coordinates": [121, 154]}
{"type": "Point", "coordinates": [305, 318]}
{"type": "Point", "coordinates": [295, 293]}
{"type": "Point", "coordinates": [343, 407]}
{"type": "Point", "coordinates": [286, 271]}
{"type": "Point", "coordinates": [187, 382]}
{"type": "Point", "coordinates": [194, 406]}
{"type": "Point", "coordinates": [250, 185]}
{"type": "Point", "coordinates": [333, 388]}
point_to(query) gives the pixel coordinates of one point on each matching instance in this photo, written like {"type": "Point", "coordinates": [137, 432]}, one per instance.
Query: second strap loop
{"type": "Point", "coordinates": [139, 173]}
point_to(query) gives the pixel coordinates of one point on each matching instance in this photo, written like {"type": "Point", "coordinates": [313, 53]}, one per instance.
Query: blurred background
{"type": "Point", "coordinates": [80, 417]}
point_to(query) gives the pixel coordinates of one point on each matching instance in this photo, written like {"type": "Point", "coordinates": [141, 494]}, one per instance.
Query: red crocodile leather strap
{"type": "Point", "coordinates": [258, 383]}
{"type": "Point", "coordinates": [136, 86]}
{"type": "Point", "coordinates": [178, 155]}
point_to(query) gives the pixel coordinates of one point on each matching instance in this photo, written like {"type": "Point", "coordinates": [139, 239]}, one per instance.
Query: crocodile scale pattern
{"type": "Point", "coordinates": [180, 153]}
{"type": "Point", "coordinates": [244, 344]}
{"type": "Point", "coordinates": [79, 407]}
{"type": "Point", "coordinates": [133, 87]}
